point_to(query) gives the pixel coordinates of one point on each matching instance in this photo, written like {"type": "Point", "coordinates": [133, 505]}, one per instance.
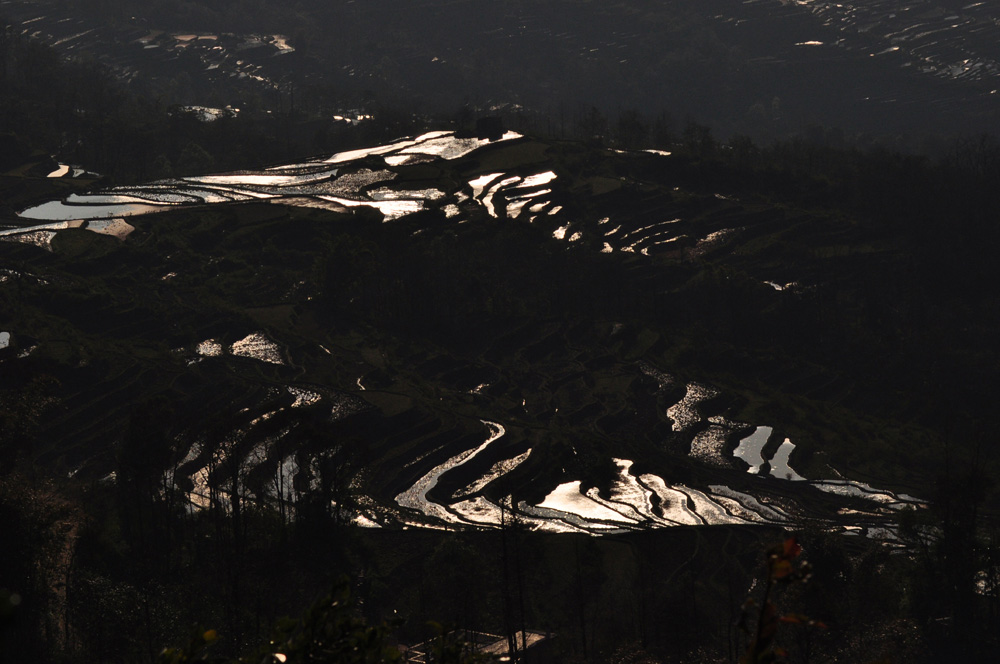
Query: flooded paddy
{"type": "Point", "coordinates": [684, 414]}
{"type": "Point", "coordinates": [749, 449]}
{"type": "Point", "coordinates": [118, 228]}
{"type": "Point", "coordinates": [416, 496]}
{"type": "Point", "coordinates": [779, 463]}
{"type": "Point", "coordinates": [569, 498]}
{"type": "Point", "coordinates": [258, 346]}
{"type": "Point", "coordinates": [636, 502]}
{"type": "Point", "coordinates": [209, 348]}
{"type": "Point", "coordinates": [726, 481]}
{"type": "Point", "coordinates": [263, 180]}
{"type": "Point", "coordinates": [708, 445]}
{"type": "Point", "coordinates": [38, 238]}
{"type": "Point", "coordinates": [958, 44]}
{"type": "Point", "coordinates": [773, 494]}
{"type": "Point", "coordinates": [349, 181]}
{"type": "Point", "coordinates": [333, 180]}
{"type": "Point", "coordinates": [303, 397]}
{"type": "Point", "coordinates": [61, 211]}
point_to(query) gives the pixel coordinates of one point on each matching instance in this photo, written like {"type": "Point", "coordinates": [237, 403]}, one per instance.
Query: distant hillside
{"type": "Point", "coordinates": [765, 69]}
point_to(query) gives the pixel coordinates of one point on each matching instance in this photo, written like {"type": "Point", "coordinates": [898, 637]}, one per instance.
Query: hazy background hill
{"type": "Point", "coordinates": [766, 68]}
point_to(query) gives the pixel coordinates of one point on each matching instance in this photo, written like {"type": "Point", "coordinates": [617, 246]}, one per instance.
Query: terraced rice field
{"type": "Point", "coordinates": [440, 466]}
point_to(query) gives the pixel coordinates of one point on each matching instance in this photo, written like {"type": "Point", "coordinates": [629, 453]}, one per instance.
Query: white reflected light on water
{"type": "Point", "coordinates": [262, 180]}
{"type": "Point", "coordinates": [779, 463]}
{"type": "Point", "coordinates": [302, 183]}
{"type": "Point", "coordinates": [567, 498]}
{"type": "Point", "coordinates": [60, 211]}
{"type": "Point", "coordinates": [749, 449]}
{"type": "Point", "coordinates": [416, 496]}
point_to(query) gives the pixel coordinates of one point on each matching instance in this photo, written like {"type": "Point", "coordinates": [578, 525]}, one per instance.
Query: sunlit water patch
{"type": "Point", "coordinates": [628, 492]}
{"type": "Point", "coordinates": [158, 194]}
{"type": "Point", "coordinates": [449, 146]}
{"type": "Point", "coordinates": [479, 184]}
{"type": "Point", "coordinates": [343, 405]}
{"type": "Point", "coordinates": [354, 155]}
{"type": "Point", "coordinates": [755, 510]}
{"type": "Point", "coordinates": [262, 180]}
{"type": "Point", "coordinates": [118, 228]}
{"type": "Point", "coordinates": [567, 497]}
{"type": "Point", "coordinates": [650, 235]}
{"type": "Point", "coordinates": [779, 462]}
{"type": "Point", "coordinates": [537, 180]}
{"type": "Point", "coordinates": [487, 199]}
{"type": "Point", "coordinates": [415, 497]}
{"type": "Point", "coordinates": [711, 241]}
{"type": "Point", "coordinates": [41, 239]}
{"type": "Point", "coordinates": [663, 380]}
{"type": "Point", "coordinates": [684, 414]}
{"type": "Point", "coordinates": [403, 159]}
{"type": "Point", "coordinates": [517, 200]}
{"type": "Point", "coordinates": [683, 505]}
{"type": "Point", "coordinates": [334, 184]}
{"type": "Point", "coordinates": [711, 509]}
{"type": "Point", "coordinates": [209, 348]}
{"type": "Point", "coordinates": [303, 397]}
{"type": "Point", "coordinates": [496, 471]}
{"type": "Point", "coordinates": [437, 144]}
{"type": "Point", "coordinates": [386, 194]}
{"type": "Point", "coordinates": [348, 184]}
{"type": "Point", "coordinates": [567, 522]}
{"type": "Point", "coordinates": [749, 449]}
{"type": "Point", "coordinates": [674, 505]}
{"type": "Point", "coordinates": [60, 211]}
{"type": "Point", "coordinates": [445, 147]}
{"type": "Point", "coordinates": [280, 42]}
{"type": "Point", "coordinates": [708, 445]}
{"type": "Point", "coordinates": [208, 113]}
{"type": "Point", "coordinates": [209, 196]}
{"type": "Point", "coordinates": [514, 208]}
{"type": "Point", "coordinates": [538, 207]}
{"type": "Point", "coordinates": [867, 492]}
{"type": "Point", "coordinates": [479, 511]}
{"type": "Point", "coordinates": [259, 347]}
{"type": "Point", "coordinates": [363, 521]}
{"type": "Point", "coordinates": [390, 209]}
{"type": "Point", "coordinates": [54, 226]}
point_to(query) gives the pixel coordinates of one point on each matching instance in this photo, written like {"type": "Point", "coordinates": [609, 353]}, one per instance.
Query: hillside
{"type": "Point", "coordinates": [451, 332]}
{"type": "Point", "coordinates": [899, 70]}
